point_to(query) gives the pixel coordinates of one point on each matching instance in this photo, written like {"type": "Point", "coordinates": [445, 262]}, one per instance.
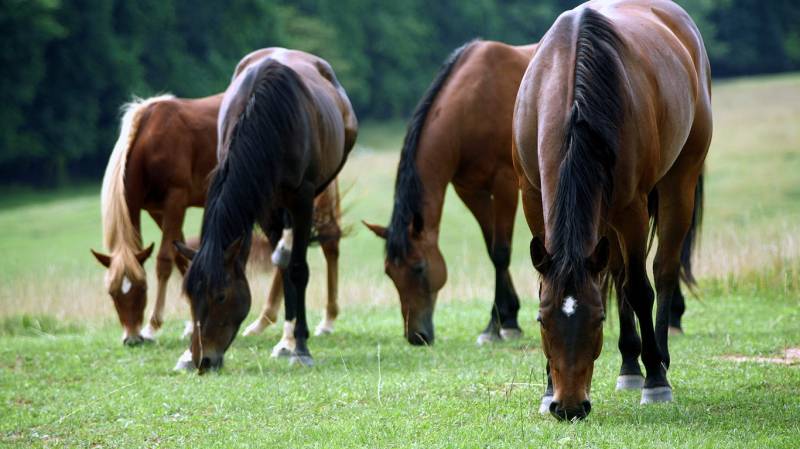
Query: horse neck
{"type": "Point", "coordinates": [436, 166]}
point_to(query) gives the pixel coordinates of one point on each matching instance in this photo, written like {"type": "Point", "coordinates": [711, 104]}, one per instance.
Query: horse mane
{"type": "Point", "coordinates": [273, 122]}
{"type": "Point", "coordinates": [408, 189]}
{"type": "Point", "coordinates": [590, 145]}
{"type": "Point", "coordinates": [119, 236]}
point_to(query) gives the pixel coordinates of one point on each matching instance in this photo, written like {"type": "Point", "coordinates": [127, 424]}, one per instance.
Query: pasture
{"type": "Point", "coordinates": [66, 380]}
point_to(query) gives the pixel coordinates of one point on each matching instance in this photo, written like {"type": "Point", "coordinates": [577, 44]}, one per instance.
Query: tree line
{"type": "Point", "coordinates": [68, 65]}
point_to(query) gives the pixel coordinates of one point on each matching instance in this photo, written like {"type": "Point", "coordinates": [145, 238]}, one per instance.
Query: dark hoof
{"type": "Point", "coordinates": [510, 334]}
{"type": "Point", "coordinates": [301, 359]}
{"type": "Point", "coordinates": [630, 382]}
{"type": "Point", "coordinates": [656, 394]}
{"type": "Point", "coordinates": [133, 341]}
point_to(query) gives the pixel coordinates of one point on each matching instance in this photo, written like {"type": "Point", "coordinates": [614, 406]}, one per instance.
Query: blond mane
{"type": "Point", "coordinates": [120, 238]}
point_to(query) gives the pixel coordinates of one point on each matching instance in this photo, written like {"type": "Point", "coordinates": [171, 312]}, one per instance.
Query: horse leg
{"type": "Point", "coordinates": [676, 310]}
{"type": "Point", "coordinates": [171, 230]}
{"type": "Point", "coordinates": [547, 397]}
{"type": "Point", "coordinates": [506, 304]}
{"type": "Point", "coordinates": [637, 291]}
{"type": "Point", "coordinates": [479, 203]}
{"type": "Point", "coordinates": [297, 280]}
{"type": "Point", "coordinates": [269, 314]}
{"type": "Point", "coordinates": [330, 248]}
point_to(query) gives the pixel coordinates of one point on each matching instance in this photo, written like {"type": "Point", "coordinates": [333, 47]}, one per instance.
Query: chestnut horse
{"type": "Point", "coordinates": [160, 163]}
{"type": "Point", "coordinates": [615, 107]}
{"type": "Point", "coordinates": [460, 133]}
{"type": "Point", "coordinates": [285, 129]}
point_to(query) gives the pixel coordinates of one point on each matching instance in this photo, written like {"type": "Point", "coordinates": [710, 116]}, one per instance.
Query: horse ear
{"type": "Point", "coordinates": [183, 250]}
{"type": "Point", "coordinates": [378, 230]}
{"type": "Point", "coordinates": [102, 258]}
{"type": "Point", "coordinates": [145, 253]}
{"type": "Point", "coordinates": [598, 261]}
{"type": "Point", "coordinates": [541, 259]}
{"type": "Point", "coordinates": [232, 252]}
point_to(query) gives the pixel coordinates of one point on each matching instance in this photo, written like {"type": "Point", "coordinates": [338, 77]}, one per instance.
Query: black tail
{"type": "Point", "coordinates": [408, 187]}
{"type": "Point", "coordinates": [590, 144]}
{"type": "Point", "coordinates": [274, 122]}
{"type": "Point", "coordinates": [690, 242]}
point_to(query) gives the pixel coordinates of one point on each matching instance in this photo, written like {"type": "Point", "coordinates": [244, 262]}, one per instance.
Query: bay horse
{"type": "Point", "coordinates": [614, 108]}
{"type": "Point", "coordinates": [161, 164]}
{"type": "Point", "coordinates": [285, 129]}
{"type": "Point", "coordinates": [460, 133]}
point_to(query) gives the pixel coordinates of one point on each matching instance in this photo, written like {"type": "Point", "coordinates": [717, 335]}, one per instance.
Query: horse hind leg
{"type": "Point", "coordinates": [269, 314]}
{"type": "Point", "coordinates": [330, 249]}
{"type": "Point", "coordinates": [504, 208]}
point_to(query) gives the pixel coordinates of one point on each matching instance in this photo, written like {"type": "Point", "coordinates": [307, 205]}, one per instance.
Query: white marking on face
{"type": "Point", "coordinates": [569, 306]}
{"type": "Point", "coordinates": [126, 285]}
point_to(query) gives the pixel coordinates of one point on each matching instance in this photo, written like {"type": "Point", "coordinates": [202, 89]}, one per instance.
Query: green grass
{"type": "Point", "coordinates": [65, 379]}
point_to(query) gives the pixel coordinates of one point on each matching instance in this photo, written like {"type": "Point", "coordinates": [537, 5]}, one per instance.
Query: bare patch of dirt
{"type": "Point", "coordinates": [791, 356]}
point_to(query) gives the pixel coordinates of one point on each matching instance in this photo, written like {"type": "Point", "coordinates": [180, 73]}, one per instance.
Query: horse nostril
{"type": "Point", "coordinates": [587, 407]}
{"type": "Point", "coordinates": [420, 339]}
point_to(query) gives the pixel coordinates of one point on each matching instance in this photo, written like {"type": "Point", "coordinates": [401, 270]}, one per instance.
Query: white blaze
{"type": "Point", "coordinates": [126, 285]}
{"type": "Point", "coordinates": [569, 306]}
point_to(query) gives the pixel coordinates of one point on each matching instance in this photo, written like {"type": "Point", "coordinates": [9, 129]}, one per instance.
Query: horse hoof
{"type": "Point", "coordinates": [656, 394]}
{"type": "Point", "coordinates": [675, 330]}
{"type": "Point", "coordinates": [510, 334]}
{"type": "Point", "coordinates": [185, 362]}
{"type": "Point", "coordinates": [487, 338]}
{"type": "Point", "coordinates": [255, 328]}
{"type": "Point", "coordinates": [301, 360]}
{"type": "Point", "coordinates": [630, 382]}
{"type": "Point", "coordinates": [149, 333]}
{"type": "Point", "coordinates": [544, 407]}
{"type": "Point", "coordinates": [324, 328]}
{"type": "Point", "coordinates": [280, 351]}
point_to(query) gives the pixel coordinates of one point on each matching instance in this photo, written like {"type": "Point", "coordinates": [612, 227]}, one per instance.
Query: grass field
{"type": "Point", "coordinates": [65, 379]}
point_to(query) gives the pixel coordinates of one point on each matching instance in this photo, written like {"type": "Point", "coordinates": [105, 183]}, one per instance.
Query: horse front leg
{"type": "Point", "coordinates": [296, 279]}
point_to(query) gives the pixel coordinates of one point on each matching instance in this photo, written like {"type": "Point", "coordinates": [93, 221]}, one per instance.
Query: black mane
{"type": "Point", "coordinates": [408, 190]}
{"type": "Point", "coordinates": [274, 122]}
{"type": "Point", "coordinates": [590, 146]}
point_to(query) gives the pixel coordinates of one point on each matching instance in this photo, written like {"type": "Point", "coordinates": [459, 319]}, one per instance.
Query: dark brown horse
{"type": "Point", "coordinates": [285, 129]}
{"type": "Point", "coordinates": [460, 133]}
{"type": "Point", "coordinates": [614, 111]}
{"type": "Point", "coordinates": [160, 163]}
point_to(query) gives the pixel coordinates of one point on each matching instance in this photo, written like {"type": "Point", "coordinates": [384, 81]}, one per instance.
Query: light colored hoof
{"type": "Point", "coordinates": [149, 333]}
{"type": "Point", "coordinates": [282, 349]}
{"type": "Point", "coordinates": [324, 328]}
{"type": "Point", "coordinates": [255, 328]}
{"type": "Point", "coordinates": [487, 338]}
{"type": "Point", "coordinates": [630, 382]}
{"type": "Point", "coordinates": [675, 330]}
{"type": "Point", "coordinates": [185, 362]}
{"type": "Point", "coordinates": [510, 334]}
{"type": "Point", "coordinates": [544, 407]}
{"type": "Point", "coordinates": [655, 395]}
{"type": "Point", "coordinates": [187, 330]}
{"type": "Point", "coordinates": [301, 360]}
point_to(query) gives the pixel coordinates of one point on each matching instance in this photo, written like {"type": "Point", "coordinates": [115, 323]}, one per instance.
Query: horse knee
{"type": "Point", "coordinates": [299, 274]}
{"type": "Point", "coordinates": [163, 266]}
{"type": "Point", "coordinates": [501, 257]}
{"type": "Point", "coordinates": [330, 249]}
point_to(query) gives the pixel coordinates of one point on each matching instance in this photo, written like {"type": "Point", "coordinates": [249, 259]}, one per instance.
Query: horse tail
{"type": "Point", "coordinates": [119, 235]}
{"type": "Point", "coordinates": [408, 193]}
{"type": "Point", "coordinates": [591, 141]}
{"type": "Point", "coordinates": [690, 242]}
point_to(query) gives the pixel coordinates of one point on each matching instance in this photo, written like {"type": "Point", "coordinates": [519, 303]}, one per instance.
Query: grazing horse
{"type": "Point", "coordinates": [460, 133]}
{"type": "Point", "coordinates": [615, 108]}
{"type": "Point", "coordinates": [285, 129]}
{"type": "Point", "coordinates": [160, 163]}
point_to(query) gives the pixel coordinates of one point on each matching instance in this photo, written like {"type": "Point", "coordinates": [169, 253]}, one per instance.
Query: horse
{"type": "Point", "coordinates": [460, 133]}
{"type": "Point", "coordinates": [160, 163]}
{"type": "Point", "coordinates": [614, 110]}
{"type": "Point", "coordinates": [285, 129]}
